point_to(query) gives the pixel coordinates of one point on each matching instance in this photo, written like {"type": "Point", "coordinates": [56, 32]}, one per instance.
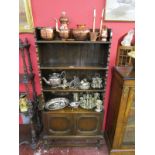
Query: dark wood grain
{"type": "Point", "coordinates": [71, 42]}
{"type": "Point", "coordinates": [81, 55]}
{"type": "Point", "coordinates": [120, 125]}
{"type": "Point", "coordinates": [69, 67]}
{"type": "Point", "coordinates": [53, 90]}
{"type": "Point", "coordinates": [78, 58]}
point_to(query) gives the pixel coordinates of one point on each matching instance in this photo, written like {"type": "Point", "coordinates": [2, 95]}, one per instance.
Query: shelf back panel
{"type": "Point", "coordinates": [73, 55]}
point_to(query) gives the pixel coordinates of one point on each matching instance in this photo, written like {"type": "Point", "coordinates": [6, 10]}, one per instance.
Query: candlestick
{"type": "Point", "coordinates": [101, 20]}
{"type": "Point", "coordinates": [94, 20]}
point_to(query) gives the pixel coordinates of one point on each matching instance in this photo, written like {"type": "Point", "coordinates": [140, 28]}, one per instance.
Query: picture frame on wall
{"type": "Point", "coordinates": [120, 10]}
{"type": "Point", "coordinates": [25, 17]}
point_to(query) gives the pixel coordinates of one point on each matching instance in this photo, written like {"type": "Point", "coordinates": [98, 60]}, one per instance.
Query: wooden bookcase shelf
{"type": "Point", "coordinates": [73, 110]}
{"type": "Point", "coordinates": [74, 67]}
{"type": "Point", "coordinates": [77, 58]}
{"type": "Point", "coordinates": [71, 90]}
{"type": "Point", "coordinates": [70, 42]}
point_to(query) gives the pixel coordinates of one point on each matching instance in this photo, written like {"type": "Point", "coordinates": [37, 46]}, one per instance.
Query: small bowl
{"type": "Point", "coordinates": [74, 104]}
{"type": "Point", "coordinates": [47, 33]}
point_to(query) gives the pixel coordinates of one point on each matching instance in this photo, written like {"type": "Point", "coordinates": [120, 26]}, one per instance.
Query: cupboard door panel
{"type": "Point", "coordinates": [88, 124]}
{"type": "Point", "coordinates": [59, 124]}
{"type": "Point", "coordinates": [120, 127]}
{"type": "Point", "coordinates": [129, 131]}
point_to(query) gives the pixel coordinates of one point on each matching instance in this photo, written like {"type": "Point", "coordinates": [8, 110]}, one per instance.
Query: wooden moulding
{"type": "Point", "coordinates": [72, 141]}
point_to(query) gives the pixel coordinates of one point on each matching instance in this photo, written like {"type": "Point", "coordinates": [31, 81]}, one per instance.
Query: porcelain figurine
{"type": "Point", "coordinates": [104, 34]}
{"type": "Point", "coordinates": [23, 103]}
{"type": "Point", "coordinates": [99, 106]}
{"type": "Point", "coordinates": [127, 40]}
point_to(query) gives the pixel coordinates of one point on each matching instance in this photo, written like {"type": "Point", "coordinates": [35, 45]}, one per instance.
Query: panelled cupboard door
{"type": "Point", "coordinates": [58, 124]}
{"type": "Point", "coordinates": [125, 132]}
{"type": "Point", "coordinates": [88, 124]}
{"type": "Point", "coordinates": [128, 138]}
{"type": "Point", "coordinates": [120, 128]}
{"type": "Point", "coordinates": [69, 124]}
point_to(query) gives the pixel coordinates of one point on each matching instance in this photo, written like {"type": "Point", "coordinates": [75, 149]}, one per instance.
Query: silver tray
{"type": "Point", "coordinates": [56, 103]}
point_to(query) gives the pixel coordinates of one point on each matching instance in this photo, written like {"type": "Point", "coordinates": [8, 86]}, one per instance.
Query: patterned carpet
{"type": "Point", "coordinates": [25, 149]}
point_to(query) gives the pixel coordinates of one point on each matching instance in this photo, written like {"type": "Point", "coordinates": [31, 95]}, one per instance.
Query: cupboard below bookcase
{"type": "Point", "coordinates": [83, 59]}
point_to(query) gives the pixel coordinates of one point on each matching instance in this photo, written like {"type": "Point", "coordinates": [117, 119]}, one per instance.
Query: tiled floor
{"type": "Point", "coordinates": [25, 149]}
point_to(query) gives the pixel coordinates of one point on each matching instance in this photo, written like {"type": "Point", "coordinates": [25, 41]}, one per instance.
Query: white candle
{"type": "Point", "coordinates": [94, 12]}
{"type": "Point", "coordinates": [102, 13]}
{"type": "Point", "coordinates": [94, 20]}
{"type": "Point", "coordinates": [101, 20]}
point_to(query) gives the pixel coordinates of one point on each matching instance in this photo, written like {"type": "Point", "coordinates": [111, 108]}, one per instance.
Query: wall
{"type": "Point", "coordinates": [78, 11]}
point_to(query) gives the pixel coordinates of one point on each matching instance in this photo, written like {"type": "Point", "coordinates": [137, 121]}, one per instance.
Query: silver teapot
{"type": "Point", "coordinates": [55, 79]}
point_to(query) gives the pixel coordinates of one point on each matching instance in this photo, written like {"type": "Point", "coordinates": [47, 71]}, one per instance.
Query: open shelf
{"type": "Point", "coordinates": [73, 110]}
{"type": "Point", "coordinates": [49, 89]}
{"type": "Point", "coordinates": [70, 67]}
{"type": "Point", "coordinates": [72, 42]}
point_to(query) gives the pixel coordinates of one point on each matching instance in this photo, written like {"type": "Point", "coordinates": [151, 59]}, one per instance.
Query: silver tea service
{"type": "Point", "coordinates": [84, 84]}
{"type": "Point", "coordinates": [75, 83]}
{"type": "Point", "coordinates": [75, 97]}
{"type": "Point", "coordinates": [55, 79]}
{"type": "Point", "coordinates": [99, 106]}
{"type": "Point", "coordinates": [96, 82]}
{"type": "Point", "coordinates": [56, 103]}
{"type": "Point", "coordinates": [74, 104]}
{"type": "Point", "coordinates": [87, 101]}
